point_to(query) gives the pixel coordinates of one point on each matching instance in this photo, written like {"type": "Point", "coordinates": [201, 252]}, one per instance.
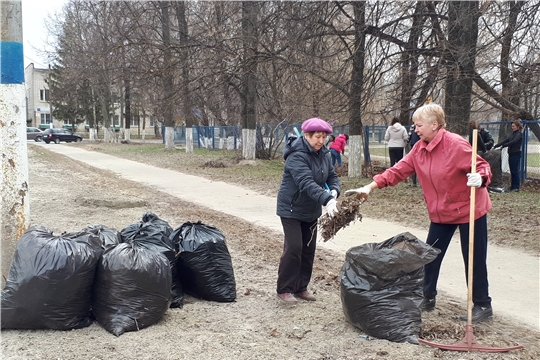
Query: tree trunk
{"type": "Point", "coordinates": [355, 155]}
{"type": "Point", "coordinates": [189, 140]}
{"type": "Point", "coordinates": [409, 67]}
{"type": "Point", "coordinates": [169, 138]}
{"type": "Point", "coordinates": [249, 139]}
{"type": "Point", "coordinates": [355, 92]}
{"type": "Point", "coordinates": [183, 39]}
{"type": "Point", "coordinates": [249, 96]}
{"type": "Point", "coordinates": [461, 57]}
{"type": "Point", "coordinates": [127, 109]}
{"type": "Point", "coordinates": [168, 82]}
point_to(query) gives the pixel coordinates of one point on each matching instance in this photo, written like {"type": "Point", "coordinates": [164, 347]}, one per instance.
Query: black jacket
{"type": "Point", "coordinates": [302, 191]}
{"type": "Point", "coordinates": [413, 136]}
{"type": "Point", "coordinates": [486, 138]}
{"type": "Point", "coordinates": [513, 142]}
{"type": "Point", "coordinates": [481, 145]}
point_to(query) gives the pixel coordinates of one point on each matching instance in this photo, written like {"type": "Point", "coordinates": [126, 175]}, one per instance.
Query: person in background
{"type": "Point", "coordinates": [513, 143]}
{"type": "Point", "coordinates": [331, 139]}
{"type": "Point", "coordinates": [413, 139]}
{"type": "Point", "coordinates": [337, 148]}
{"type": "Point", "coordinates": [397, 137]}
{"type": "Point", "coordinates": [481, 146]}
{"type": "Point", "coordinates": [308, 170]}
{"type": "Point", "coordinates": [442, 162]}
{"type": "Point", "coordinates": [486, 138]}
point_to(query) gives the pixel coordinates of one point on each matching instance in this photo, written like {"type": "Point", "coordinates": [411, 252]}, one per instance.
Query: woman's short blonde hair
{"type": "Point", "coordinates": [430, 113]}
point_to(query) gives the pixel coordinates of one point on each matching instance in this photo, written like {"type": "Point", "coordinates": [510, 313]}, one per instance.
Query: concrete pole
{"type": "Point", "coordinates": [14, 204]}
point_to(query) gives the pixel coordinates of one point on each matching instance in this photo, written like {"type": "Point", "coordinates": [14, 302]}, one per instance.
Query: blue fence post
{"type": "Point", "coordinates": [198, 137]}
{"type": "Point", "coordinates": [366, 145]}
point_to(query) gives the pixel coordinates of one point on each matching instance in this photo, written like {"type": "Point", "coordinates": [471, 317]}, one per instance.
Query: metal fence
{"type": "Point", "coordinates": [530, 150]}
{"type": "Point", "coordinates": [274, 136]}
{"type": "Point", "coordinates": [211, 137]}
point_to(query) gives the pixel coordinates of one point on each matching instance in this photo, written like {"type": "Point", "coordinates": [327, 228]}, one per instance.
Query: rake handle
{"type": "Point", "coordinates": [471, 231]}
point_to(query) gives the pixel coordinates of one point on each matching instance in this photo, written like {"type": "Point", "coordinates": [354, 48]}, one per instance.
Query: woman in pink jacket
{"type": "Point", "coordinates": [337, 148]}
{"type": "Point", "coordinates": [442, 162]}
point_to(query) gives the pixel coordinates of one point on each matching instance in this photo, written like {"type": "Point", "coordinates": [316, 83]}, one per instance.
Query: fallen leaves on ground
{"type": "Point", "coordinates": [349, 211]}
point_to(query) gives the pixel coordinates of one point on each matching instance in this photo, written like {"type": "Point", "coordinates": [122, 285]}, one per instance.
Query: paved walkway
{"type": "Point", "coordinates": [514, 276]}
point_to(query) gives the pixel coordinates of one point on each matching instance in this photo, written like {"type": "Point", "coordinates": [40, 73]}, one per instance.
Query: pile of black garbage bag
{"type": "Point", "coordinates": [381, 287]}
{"type": "Point", "coordinates": [125, 280]}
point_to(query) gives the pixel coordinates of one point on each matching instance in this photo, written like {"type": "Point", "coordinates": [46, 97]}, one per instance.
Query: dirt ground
{"type": "Point", "coordinates": [67, 196]}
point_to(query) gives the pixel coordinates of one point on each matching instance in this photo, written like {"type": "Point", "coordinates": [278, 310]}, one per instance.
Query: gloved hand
{"type": "Point", "coordinates": [331, 207]}
{"type": "Point", "coordinates": [363, 190]}
{"type": "Point", "coordinates": [474, 179]}
{"type": "Point", "coordinates": [496, 146]}
{"type": "Point", "coordinates": [334, 193]}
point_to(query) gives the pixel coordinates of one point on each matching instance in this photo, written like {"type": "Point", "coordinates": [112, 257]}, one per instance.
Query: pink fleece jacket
{"type": "Point", "coordinates": [339, 144]}
{"type": "Point", "coordinates": [442, 166]}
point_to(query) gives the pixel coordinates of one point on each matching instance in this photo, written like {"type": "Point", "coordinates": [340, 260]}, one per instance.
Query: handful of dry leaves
{"type": "Point", "coordinates": [349, 211]}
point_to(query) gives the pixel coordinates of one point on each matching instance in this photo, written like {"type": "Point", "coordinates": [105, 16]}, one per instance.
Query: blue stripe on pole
{"type": "Point", "coordinates": [12, 63]}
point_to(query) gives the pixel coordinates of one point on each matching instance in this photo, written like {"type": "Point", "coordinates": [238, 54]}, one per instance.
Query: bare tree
{"type": "Point", "coordinates": [249, 82]}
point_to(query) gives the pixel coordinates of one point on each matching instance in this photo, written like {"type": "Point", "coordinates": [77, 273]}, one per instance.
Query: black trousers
{"type": "Point", "coordinates": [439, 236]}
{"type": "Point", "coordinates": [513, 162]}
{"type": "Point", "coordinates": [296, 264]}
{"type": "Point", "coordinates": [396, 154]}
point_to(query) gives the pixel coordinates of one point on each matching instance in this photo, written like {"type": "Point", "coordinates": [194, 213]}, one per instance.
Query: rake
{"type": "Point", "coordinates": [469, 343]}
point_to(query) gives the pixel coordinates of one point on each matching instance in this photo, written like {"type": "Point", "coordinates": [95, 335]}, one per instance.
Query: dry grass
{"type": "Point", "coordinates": [513, 221]}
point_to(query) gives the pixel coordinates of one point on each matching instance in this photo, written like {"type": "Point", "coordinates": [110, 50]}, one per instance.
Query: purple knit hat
{"type": "Point", "coordinates": [316, 124]}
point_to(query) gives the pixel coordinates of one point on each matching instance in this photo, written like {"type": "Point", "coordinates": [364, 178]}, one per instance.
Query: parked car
{"type": "Point", "coordinates": [33, 133]}
{"type": "Point", "coordinates": [57, 135]}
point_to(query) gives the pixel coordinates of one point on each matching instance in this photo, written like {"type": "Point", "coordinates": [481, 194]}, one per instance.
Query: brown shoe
{"type": "Point", "coordinates": [305, 295]}
{"type": "Point", "coordinates": [287, 298]}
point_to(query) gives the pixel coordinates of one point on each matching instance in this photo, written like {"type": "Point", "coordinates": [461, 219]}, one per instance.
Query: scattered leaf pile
{"type": "Point", "coordinates": [214, 164]}
{"type": "Point", "coordinates": [349, 211]}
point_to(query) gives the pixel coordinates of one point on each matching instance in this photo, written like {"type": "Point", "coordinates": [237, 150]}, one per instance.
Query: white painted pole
{"type": "Point", "coordinates": [14, 204]}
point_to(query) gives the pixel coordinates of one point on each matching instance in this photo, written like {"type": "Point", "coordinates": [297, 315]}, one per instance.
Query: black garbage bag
{"type": "Point", "coordinates": [132, 289]}
{"type": "Point", "coordinates": [153, 233]}
{"type": "Point", "coordinates": [109, 236]}
{"type": "Point", "coordinates": [149, 217]}
{"type": "Point", "coordinates": [493, 157]}
{"type": "Point", "coordinates": [381, 287]}
{"type": "Point", "coordinates": [49, 285]}
{"type": "Point", "coordinates": [204, 266]}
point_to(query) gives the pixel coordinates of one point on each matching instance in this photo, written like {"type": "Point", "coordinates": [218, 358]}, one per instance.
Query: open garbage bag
{"type": "Point", "coordinates": [493, 157]}
{"type": "Point", "coordinates": [153, 233]}
{"type": "Point", "coordinates": [49, 285]}
{"type": "Point", "coordinates": [381, 287]}
{"type": "Point", "coordinates": [132, 289]}
{"type": "Point", "coordinates": [204, 265]}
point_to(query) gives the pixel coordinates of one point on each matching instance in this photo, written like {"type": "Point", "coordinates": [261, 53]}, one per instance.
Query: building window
{"type": "Point", "coordinates": [134, 120]}
{"type": "Point", "coordinates": [68, 123]}
{"type": "Point", "coordinates": [45, 119]}
{"type": "Point", "coordinates": [44, 95]}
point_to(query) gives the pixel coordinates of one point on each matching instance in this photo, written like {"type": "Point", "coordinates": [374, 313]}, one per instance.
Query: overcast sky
{"type": "Point", "coordinates": [34, 13]}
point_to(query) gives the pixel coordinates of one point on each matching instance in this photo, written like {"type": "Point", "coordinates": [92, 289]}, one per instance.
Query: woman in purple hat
{"type": "Point", "coordinates": [307, 175]}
